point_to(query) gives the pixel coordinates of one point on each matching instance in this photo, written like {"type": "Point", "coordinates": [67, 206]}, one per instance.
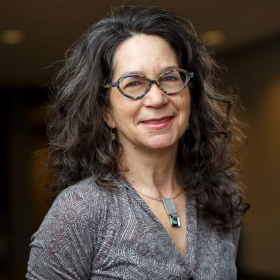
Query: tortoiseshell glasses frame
{"type": "Point", "coordinates": [136, 86]}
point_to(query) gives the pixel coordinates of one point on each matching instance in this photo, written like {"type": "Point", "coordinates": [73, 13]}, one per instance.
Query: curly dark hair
{"type": "Point", "coordinates": [80, 141]}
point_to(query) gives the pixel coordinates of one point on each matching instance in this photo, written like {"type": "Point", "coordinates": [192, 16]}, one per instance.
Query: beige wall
{"type": "Point", "coordinates": [257, 73]}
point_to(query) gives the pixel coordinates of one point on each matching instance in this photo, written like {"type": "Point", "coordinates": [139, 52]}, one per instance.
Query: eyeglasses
{"type": "Point", "coordinates": [136, 86]}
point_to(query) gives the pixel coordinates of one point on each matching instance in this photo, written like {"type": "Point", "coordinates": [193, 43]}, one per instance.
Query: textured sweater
{"type": "Point", "coordinates": [93, 232]}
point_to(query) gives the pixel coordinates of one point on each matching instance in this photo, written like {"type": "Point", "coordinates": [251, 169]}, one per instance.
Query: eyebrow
{"type": "Point", "coordinates": [132, 73]}
{"type": "Point", "coordinates": [162, 69]}
{"type": "Point", "coordinates": [169, 68]}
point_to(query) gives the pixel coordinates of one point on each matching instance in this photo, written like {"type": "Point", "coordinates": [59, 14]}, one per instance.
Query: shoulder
{"type": "Point", "coordinates": [83, 190]}
{"type": "Point", "coordinates": [83, 202]}
{"type": "Point", "coordinates": [82, 193]}
{"type": "Point", "coordinates": [65, 242]}
{"type": "Point", "coordinates": [76, 210]}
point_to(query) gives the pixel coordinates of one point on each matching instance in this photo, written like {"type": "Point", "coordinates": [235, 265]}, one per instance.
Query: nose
{"type": "Point", "coordinates": [155, 97]}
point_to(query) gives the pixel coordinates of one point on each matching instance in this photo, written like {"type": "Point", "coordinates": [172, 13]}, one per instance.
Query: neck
{"type": "Point", "coordinates": [153, 173]}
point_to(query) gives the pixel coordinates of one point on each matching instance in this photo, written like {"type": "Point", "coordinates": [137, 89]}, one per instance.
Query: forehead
{"type": "Point", "coordinates": [148, 54]}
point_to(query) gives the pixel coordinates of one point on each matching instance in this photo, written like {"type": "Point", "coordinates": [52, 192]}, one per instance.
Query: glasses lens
{"type": "Point", "coordinates": [174, 81]}
{"type": "Point", "coordinates": [134, 85]}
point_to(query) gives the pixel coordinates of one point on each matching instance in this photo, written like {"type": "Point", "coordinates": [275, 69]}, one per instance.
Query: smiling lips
{"type": "Point", "coordinates": [158, 123]}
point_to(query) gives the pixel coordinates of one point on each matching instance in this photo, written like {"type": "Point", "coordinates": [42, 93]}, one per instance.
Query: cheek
{"type": "Point", "coordinates": [184, 104]}
{"type": "Point", "coordinates": [185, 96]}
{"type": "Point", "coordinates": [124, 113]}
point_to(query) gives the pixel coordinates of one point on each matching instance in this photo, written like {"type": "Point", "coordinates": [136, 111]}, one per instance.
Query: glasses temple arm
{"type": "Point", "coordinates": [113, 84]}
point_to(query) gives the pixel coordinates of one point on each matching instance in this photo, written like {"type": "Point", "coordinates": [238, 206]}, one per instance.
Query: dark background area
{"type": "Point", "coordinates": [249, 46]}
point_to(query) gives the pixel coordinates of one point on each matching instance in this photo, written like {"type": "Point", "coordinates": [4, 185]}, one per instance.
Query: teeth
{"type": "Point", "coordinates": [155, 122]}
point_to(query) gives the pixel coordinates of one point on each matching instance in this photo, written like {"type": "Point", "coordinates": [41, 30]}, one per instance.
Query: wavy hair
{"type": "Point", "coordinates": [80, 141]}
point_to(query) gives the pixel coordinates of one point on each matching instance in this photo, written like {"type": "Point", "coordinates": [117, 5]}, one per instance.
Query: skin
{"type": "Point", "coordinates": [140, 123]}
{"type": "Point", "coordinates": [149, 129]}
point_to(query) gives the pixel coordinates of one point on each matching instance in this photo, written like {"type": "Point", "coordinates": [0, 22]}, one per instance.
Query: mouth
{"type": "Point", "coordinates": [157, 121]}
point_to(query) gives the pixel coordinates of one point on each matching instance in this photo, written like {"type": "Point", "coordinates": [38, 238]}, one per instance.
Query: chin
{"type": "Point", "coordinates": [159, 144]}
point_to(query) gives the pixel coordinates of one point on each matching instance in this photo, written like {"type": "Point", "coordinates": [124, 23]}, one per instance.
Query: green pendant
{"type": "Point", "coordinates": [175, 220]}
{"type": "Point", "coordinates": [172, 212]}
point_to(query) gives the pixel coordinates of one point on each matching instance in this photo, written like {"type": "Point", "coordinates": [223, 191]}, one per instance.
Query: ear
{"type": "Point", "coordinates": [107, 117]}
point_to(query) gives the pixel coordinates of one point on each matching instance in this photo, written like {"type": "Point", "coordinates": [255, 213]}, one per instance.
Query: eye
{"type": "Point", "coordinates": [169, 78]}
{"type": "Point", "coordinates": [132, 82]}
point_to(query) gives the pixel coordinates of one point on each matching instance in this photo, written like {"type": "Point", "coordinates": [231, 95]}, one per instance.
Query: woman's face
{"type": "Point", "coordinates": [157, 121]}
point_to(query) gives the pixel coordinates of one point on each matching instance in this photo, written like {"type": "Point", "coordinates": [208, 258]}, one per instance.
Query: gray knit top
{"type": "Point", "coordinates": [93, 232]}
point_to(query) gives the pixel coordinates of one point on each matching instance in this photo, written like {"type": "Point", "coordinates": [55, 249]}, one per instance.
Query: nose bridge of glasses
{"type": "Point", "coordinates": [151, 82]}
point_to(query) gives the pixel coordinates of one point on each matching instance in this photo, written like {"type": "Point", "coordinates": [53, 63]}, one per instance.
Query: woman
{"type": "Point", "coordinates": [143, 158]}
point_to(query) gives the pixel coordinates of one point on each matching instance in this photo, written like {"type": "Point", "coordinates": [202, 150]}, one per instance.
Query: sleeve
{"type": "Point", "coordinates": [63, 247]}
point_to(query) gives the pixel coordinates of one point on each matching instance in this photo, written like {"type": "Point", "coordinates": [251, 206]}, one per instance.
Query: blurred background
{"type": "Point", "coordinates": [34, 35]}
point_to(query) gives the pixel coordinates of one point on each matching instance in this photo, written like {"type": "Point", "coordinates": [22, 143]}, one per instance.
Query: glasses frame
{"type": "Point", "coordinates": [151, 82]}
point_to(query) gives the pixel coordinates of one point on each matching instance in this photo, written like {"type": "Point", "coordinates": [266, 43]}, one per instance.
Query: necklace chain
{"type": "Point", "coordinates": [161, 199]}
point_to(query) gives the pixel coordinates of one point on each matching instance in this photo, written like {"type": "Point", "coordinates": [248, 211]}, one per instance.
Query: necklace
{"type": "Point", "coordinates": [170, 208]}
